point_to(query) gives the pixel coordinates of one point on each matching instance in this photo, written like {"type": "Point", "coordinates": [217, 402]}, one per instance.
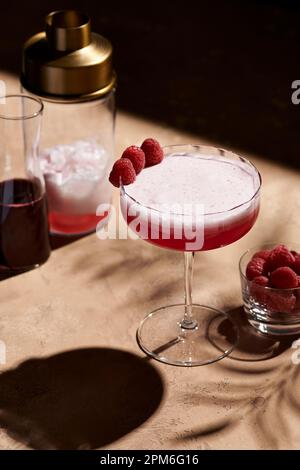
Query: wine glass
{"type": "Point", "coordinates": [190, 334]}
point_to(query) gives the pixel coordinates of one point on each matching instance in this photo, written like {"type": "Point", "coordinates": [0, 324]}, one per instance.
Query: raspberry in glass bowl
{"type": "Point", "coordinates": [270, 279]}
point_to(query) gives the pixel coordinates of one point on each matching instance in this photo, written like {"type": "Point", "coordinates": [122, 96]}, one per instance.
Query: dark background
{"type": "Point", "coordinates": [221, 69]}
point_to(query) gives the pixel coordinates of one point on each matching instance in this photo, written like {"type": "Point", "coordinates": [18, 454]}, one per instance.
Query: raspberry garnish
{"type": "Point", "coordinates": [122, 170]}
{"type": "Point", "coordinates": [153, 152]}
{"type": "Point", "coordinates": [284, 278]}
{"type": "Point", "coordinates": [263, 254]}
{"type": "Point", "coordinates": [255, 268]}
{"type": "Point", "coordinates": [137, 157]}
{"type": "Point", "coordinates": [279, 257]}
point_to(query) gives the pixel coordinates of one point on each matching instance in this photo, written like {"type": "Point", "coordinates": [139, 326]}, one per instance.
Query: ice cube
{"type": "Point", "coordinates": [75, 175]}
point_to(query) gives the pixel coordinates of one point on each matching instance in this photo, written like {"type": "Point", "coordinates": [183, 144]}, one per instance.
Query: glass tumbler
{"type": "Point", "coordinates": [270, 310]}
{"type": "Point", "coordinates": [24, 237]}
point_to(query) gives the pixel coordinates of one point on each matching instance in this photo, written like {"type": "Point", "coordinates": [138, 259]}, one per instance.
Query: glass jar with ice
{"type": "Point", "coordinates": [70, 69]}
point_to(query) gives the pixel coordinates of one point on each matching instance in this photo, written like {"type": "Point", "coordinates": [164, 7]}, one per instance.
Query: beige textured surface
{"type": "Point", "coordinates": [92, 294]}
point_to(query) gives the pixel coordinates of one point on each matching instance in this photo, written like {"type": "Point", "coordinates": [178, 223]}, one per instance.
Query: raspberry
{"type": "Point", "coordinates": [297, 305]}
{"type": "Point", "coordinates": [258, 292]}
{"type": "Point", "coordinates": [122, 170]}
{"type": "Point", "coordinates": [255, 268]}
{"type": "Point", "coordinates": [279, 257]}
{"type": "Point", "coordinates": [263, 254]}
{"type": "Point", "coordinates": [261, 281]}
{"type": "Point", "coordinates": [257, 288]}
{"type": "Point", "coordinates": [136, 156]}
{"type": "Point", "coordinates": [153, 152]}
{"type": "Point", "coordinates": [294, 253]}
{"type": "Point", "coordinates": [296, 265]}
{"type": "Point", "coordinates": [284, 278]}
{"type": "Point", "coordinates": [283, 302]}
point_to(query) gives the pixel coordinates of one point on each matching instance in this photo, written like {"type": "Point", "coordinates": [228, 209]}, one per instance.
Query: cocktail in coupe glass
{"type": "Point", "coordinates": [199, 198]}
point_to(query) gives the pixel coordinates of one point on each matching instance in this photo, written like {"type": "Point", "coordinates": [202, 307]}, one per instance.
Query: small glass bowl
{"type": "Point", "coordinates": [270, 310]}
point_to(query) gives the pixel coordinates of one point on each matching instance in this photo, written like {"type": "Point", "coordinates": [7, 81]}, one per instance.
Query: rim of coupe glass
{"type": "Point", "coordinates": [123, 190]}
{"type": "Point", "coordinates": [257, 248]}
{"type": "Point", "coordinates": [21, 117]}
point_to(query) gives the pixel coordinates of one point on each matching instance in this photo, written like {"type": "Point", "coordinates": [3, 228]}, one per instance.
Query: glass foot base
{"type": "Point", "coordinates": [161, 336]}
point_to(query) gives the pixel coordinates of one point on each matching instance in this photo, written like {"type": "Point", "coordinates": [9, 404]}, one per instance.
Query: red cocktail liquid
{"type": "Point", "coordinates": [69, 224]}
{"type": "Point", "coordinates": [215, 236]}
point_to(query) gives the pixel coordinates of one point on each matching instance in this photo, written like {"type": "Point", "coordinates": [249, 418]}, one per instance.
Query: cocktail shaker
{"type": "Point", "coordinates": [70, 69]}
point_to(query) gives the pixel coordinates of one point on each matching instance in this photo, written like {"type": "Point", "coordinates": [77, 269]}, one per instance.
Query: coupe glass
{"type": "Point", "coordinates": [189, 334]}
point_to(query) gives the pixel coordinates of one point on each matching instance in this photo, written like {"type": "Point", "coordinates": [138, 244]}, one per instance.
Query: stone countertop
{"type": "Point", "coordinates": [74, 376]}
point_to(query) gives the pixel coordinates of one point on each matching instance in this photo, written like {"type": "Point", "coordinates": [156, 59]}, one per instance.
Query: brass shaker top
{"type": "Point", "coordinates": [68, 62]}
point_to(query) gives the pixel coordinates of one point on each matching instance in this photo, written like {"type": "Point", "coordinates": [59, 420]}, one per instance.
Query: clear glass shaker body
{"type": "Point", "coordinates": [76, 155]}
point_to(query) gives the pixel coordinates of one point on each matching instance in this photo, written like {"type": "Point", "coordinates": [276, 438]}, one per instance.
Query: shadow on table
{"type": "Point", "coordinates": [78, 399]}
{"type": "Point", "coordinates": [252, 346]}
{"type": "Point", "coordinates": [265, 394]}
{"type": "Point", "coordinates": [56, 241]}
{"type": "Point", "coordinates": [266, 405]}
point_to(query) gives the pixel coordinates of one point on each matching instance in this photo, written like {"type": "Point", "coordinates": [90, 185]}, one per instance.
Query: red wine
{"type": "Point", "coordinates": [24, 237]}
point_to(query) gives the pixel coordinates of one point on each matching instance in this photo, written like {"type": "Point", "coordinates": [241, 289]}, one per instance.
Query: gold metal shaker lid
{"type": "Point", "coordinates": [68, 62]}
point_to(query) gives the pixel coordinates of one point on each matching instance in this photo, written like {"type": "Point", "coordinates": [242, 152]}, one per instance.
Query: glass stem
{"type": "Point", "coordinates": [188, 322]}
